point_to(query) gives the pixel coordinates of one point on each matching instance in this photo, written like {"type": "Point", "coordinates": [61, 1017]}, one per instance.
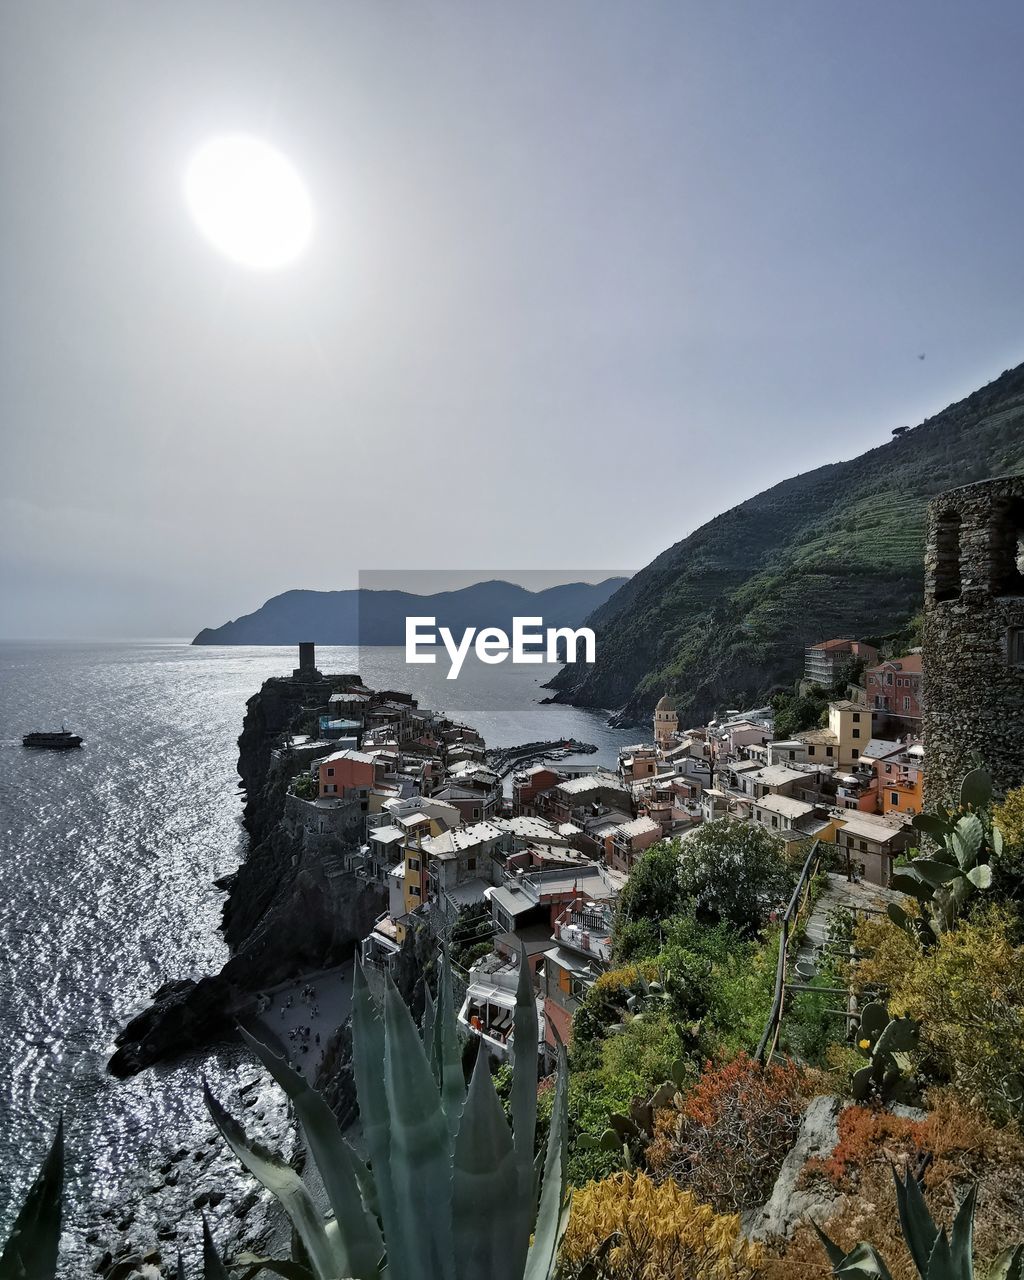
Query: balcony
{"type": "Point", "coordinates": [488, 1010]}
{"type": "Point", "coordinates": [586, 928]}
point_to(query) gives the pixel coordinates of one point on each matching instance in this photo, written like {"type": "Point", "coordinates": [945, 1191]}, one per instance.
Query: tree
{"type": "Point", "coordinates": [734, 874]}
{"type": "Point", "coordinates": [795, 713]}
{"type": "Point", "coordinates": [652, 890]}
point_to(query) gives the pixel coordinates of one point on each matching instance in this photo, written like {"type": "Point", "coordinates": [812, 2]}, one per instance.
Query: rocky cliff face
{"type": "Point", "coordinates": [291, 907]}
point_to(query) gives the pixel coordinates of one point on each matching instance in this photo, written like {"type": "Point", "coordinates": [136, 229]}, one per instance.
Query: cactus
{"type": "Point", "coordinates": [887, 1043]}
{"type": "Point", "coordinates": [943, 882]}
{"type": "Point", "coordinates": [935, 1255]}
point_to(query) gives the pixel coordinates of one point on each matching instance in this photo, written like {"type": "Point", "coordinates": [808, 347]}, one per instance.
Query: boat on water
{"type": "Point", "coordinates": [58, 741]}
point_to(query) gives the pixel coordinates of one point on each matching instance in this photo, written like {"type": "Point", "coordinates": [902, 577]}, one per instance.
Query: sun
{"type": "Point", "coordinates": [249, 202]}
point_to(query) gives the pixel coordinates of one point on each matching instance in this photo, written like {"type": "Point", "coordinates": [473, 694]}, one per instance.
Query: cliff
{"type": "Point", "coordinates": [291, 906]}
{"type": "Point", "coordinates": [723, 616]}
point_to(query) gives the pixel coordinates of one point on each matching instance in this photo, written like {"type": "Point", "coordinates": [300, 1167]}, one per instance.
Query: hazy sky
{"type": "Point", "coordinates": [583, 275]}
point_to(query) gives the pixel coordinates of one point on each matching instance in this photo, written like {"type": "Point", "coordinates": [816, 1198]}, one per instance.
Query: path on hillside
{"type": "Point", "coordinates": [840, 894]}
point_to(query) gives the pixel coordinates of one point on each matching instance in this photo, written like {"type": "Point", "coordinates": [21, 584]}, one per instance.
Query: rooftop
{"type": "Point", "coordinates": [869, 826]}
{"type": "Point", "coordinates": [386, 835]}
{"type": "Point", "coordinates": [779, 775]}
{"type": "Point", "coordinates": [638, 827]}
{"type": "Point", "coordinates": [910, 665]}
{"type": "Point", "coordinates": [786, 806]}
{"type": "Point", "coordinates": [589, 782]}
{"type": "Point", "coordinates": [818, 737]}
{"type": "Point", "coordinates": [451, 843]}
{"type": "Point", "coordinates": [348, 754]}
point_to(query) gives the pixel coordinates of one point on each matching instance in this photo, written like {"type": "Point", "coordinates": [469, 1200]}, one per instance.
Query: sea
{"type": "Point", "coordinates": [108, 857]}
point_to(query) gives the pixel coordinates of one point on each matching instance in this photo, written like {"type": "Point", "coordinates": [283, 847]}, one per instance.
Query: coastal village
{"type": "Point", "coordinates": [497, 862]}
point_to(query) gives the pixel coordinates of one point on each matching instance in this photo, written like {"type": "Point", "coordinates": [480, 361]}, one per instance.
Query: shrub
{"type": "Point", "coordinates": [727, 1140]}
{"type": "Point", "coordinates": [733, 873]}
{"type": "Point", "coordinates": [305, 786]}
{"type": "Point", "coordinates": [1009, 818]}
{"type": "Point", "coordinates": [1008, 867]}
{"type": "Point", "coordinates": [968, 993]}
{"type": "Point", "coordinates": [626, 1227]}
{"type": "Point", "coordinates": [605, 1002]}
{"type": "Point", "coordinates": [636, 940]}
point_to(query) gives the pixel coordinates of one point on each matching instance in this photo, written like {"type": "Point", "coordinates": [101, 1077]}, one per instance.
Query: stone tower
{"type": "Point", "coordinates": [666, 722]}
{"type": "Point", "coordinates": [973, 680]}
{"type": "Point", "coordinates": [306, 670]}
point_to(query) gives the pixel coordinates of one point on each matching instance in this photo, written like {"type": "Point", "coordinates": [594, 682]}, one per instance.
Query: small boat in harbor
{"type": "Point", "coordinates": [59, 741]}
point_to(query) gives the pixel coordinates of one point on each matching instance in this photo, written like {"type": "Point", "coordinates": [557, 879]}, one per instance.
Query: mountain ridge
{"type": "Point", "coordinates": [722, 616]}
{"type": "Point", "coordinates": [361, 616]}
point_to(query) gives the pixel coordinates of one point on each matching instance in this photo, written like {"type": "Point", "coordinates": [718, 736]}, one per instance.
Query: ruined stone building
{"type": "Point", "coordinates": [974, 636]}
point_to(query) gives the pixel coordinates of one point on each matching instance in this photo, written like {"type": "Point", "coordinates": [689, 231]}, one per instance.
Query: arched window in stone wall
{"type": "Point", "coordinates": [1008, 549]}
{"type": "Point", "coordinates": [947, 556]}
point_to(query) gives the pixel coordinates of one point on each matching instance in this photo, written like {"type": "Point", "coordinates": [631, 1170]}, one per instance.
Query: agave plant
{"type": "Point", "coordinates": [31, 1250]}
{"type": "Point", "coordinates": [942, 883]}
{"type": "Point", "coordinates": [936, 1255]}
{"type": "Point", "coordinates": [451, 1191]}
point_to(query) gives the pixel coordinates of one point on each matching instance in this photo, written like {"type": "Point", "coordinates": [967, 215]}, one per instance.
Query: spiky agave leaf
{"type": "Point", "coordinates": [961, 1237]}
{"type": "Point", "coordinates": [213, 1267]}
{"type": "Point", "coordinates": [490, 1218]}
{"type": "Point", "coordinates": [553, 1210]}
{"type": "Point", "coordinates": [31, 1249]}
{"type": "Point", "coordinates": [447, 1049]}
{"type": "Point", "coordinates": [1009, 1265]}
{"type": "Point", "coordinates": [281, 1179]}
{"type": "Point", "coordinates": [420, 1153]}
{"type": "Point", "coordinates": [360, 1241]}
{"type": "Point", "coordinates": [276, 1266]}
{"type": "Point", "coordinates": [863, 1263]}
{"type": "Point", "coordinates": [836, 1255]}
{"type": "Point", "coordinates": [374, 1114]}
{"type": "Point", "coordinates": [523, 1098]}
{"type": "Point", "coordinates": [919, 1229]}
{"type": "Point", "coordinates": [427, 1029]}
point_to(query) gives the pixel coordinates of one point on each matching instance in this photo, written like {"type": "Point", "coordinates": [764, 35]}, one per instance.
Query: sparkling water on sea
{"type": "Point", "coordinates": [107, 861]}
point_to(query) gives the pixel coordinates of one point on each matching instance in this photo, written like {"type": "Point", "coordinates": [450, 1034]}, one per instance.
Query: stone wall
{"type": "Point", "coordinates": [326, 827]}
{"type": "Point", "coordinates": [974, 637]}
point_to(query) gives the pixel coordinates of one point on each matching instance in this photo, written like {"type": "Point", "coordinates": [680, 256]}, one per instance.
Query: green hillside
{"type": "Point", "coordinates": [723, 616]}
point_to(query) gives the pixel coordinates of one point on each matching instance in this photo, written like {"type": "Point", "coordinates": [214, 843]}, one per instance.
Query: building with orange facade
{"type": "Point", "coordinates": [345, 771]}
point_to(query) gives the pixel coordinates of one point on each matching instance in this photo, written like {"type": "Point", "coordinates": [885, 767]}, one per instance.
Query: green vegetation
{"type": "Point", "coordinates": [734, 874]}
{"type": "Point", "coordinates": [694, 980]}
{"type": "Point", "coordinates": [721, 619]}
{"type": "Point", "coordinates": [661, 1083]}
{"type": "Point", "coordinates": [305, 786]}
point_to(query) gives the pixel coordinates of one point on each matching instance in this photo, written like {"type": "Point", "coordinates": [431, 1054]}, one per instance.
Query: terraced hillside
{"type": "Point", "coordinates": [723, 616]}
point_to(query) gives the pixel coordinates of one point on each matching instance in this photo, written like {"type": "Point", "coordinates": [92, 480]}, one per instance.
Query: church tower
{"type": "Point", "coordinates": [666, 722]}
